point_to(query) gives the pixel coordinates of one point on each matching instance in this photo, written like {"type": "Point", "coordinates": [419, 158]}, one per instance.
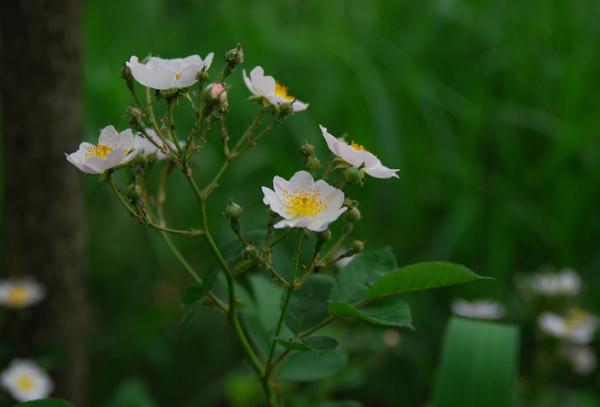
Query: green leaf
{"type": "Point", "coordinates": [386, 312]}
{"type": "Point", "coordinates": [194, 292]}
{"type": "Point", "coordinates": [311, 343]}
{"type": "Point", "coordinates": [421, 276]}
{"type": "Point", "coordinates": [340, 403]}
{"type": "Point", "coordinates": [354, 279]}
{"type": "Point", "coordinates": [479, 365]}
{"type": "Point", "coordinates": [44, 403]}
{"type": "Point", "coordinates": [132, 393]}
{"type": "Point", "coordinates": [310, 366]}
{"type": "Point", "coordinates": [308, 306]}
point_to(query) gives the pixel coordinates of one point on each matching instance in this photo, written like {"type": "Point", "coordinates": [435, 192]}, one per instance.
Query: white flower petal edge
{"type": "Point", "coordinates": [357, 156]}
{"type": "Point", "coordinates": [261, 85]}
{"type": "Point", "coordinates": [148, 149]}
{"type": "Point", "coordinates": [304, 203]}
{"type": "Point", "coordinates": [20, 292]}
{"type": "Point", "coordinates": [113, 149]}
{"type": "Point", "coordinates": [582, 358]}
{"type": "Point", "coordinates": [576, 327]}
{"type": "Point", "coordinates": [566, 282]}
{"type": "Point", "coordinates": [25, 381]}
{"type": "Point", "coordinates": [480, 309]}
{"type": "Point", "coordinates": [162, 74]}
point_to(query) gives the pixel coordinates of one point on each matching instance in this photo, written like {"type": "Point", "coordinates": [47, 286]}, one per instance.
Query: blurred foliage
{"type": "Point", "coordinates": [490, 110]}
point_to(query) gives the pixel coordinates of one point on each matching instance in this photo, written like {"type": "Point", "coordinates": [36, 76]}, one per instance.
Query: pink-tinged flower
{"type": "Point", "coordinates": [356, 155]}
{"type": "Point", "coordinates": [163, 74]}
{"type": "Point", "coordinates": [264, 86]}
{"type": "Point", "coordinates": [304, 203]}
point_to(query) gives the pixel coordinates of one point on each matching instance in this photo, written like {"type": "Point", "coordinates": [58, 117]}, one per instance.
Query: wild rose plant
{"type": "Point", "coordinates": [313, 206]}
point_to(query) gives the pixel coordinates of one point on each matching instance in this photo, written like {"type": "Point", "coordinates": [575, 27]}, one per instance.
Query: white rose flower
{"type": "Point", "coordinates": [480, 309]}
{"type": "Point", "coordinates": [147, 149]}
{"type": "Point", "coordinates": [566, 282]}
{"type": "Point", "coordinates": [578, 326]}
{"type": "Point", "coordinates": [267, 87]}
{"type": "Point", "coordinates": [20, 292]}
{"type": "Point", "coordinates": [113, 149]}
{"type": "Point", "coordinates": [25, 381]}
{"type": "Point", "coordinates": [581, 358]}
{"type": "Point", "coordinates": [162, 74]}
{"type": "Point", "coordinates": [356, 155]}
{"type": "Point", "coordinates": [304, 203]}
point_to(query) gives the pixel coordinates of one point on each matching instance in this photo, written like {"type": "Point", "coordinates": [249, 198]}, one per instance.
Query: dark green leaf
{"type": "Point", "coordinates": [479, 365]}
{"type": "Point", "coordinates": [340, 403]}
{"type": "Point", "coordinates": [310, 366]}
{"type": "Point", "coordinates": [308, 306]}
{"type": "Point", "coordinates": [311, 343]}
{"type": "Point", "coordinates": [386, 312]}
{"type": "Point", "coordinates": [421, 276]}
{"type": "Point", "coordinates": [353, 280]}
{"type": "Point", "coordinates": [44, 403]}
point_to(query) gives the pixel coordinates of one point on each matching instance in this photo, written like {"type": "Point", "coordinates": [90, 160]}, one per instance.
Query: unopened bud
{"type": "Point", "coordinates": [250, 252]}
{"type": "Point", "coordinates": [202, 76]}
{"type": "Point", "coordinates": [324, 236]}
{"type": "Point", "coordinates": [358, 246]}
{"type": "Point", "coordinates": [126, 74]}
{"type": "Point", "coordinates": [216, 93]}
{"type": "Point", "coordinates": [235, 56]}
{"type": "Point", "coordinates": [233, 211]}
{"type": "Point", "coordinates": [307, 149]}
{"type": "Point", "coordinates": [353, 215]}
{"type": "Point", "coordinates": [350, 203]}
{"type": "Point", "coordinates": [313, 164]}
{"type": "Point", "coordinates": [354, 175]}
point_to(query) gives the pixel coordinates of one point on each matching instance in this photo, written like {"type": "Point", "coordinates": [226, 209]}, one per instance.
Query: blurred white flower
{"type": "Point", "coordinates": [20, 292]}
{"type": "Point", "coordinates": [304, 203]}
{"type": "Point", "coordinates": [356, 155]}
{"type": "Point", "coordinates": [113, 149]}
{"type": "Point", "coordinates": [480, 309]}
{"type": "Point", "coordinates": [566, 282]}
{"type": "Point", "coordinates": [582, 358]}
{"type": "Point", "coordinates": [391, 338]}
{"type": "Point", "coordinates": [267, 87]}
{"type": "Point", "coordinates": [147, 149]}
{"type": "Point", "coordinates": [164, 74]}
{"type": "Point", "coordinates": [578, 326]}
{"type": "Point", "coordinates": [25, 381]}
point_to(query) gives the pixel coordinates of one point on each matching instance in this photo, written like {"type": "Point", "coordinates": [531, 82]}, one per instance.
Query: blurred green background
{"type": "Point", "coordinates": [489, 108]}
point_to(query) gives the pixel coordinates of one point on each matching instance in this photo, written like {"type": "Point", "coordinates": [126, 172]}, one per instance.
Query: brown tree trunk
{"type": "Point", "coordinates": [42, 119]}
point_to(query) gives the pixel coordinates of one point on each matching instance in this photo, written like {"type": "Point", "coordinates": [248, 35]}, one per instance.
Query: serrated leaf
{"type": "Point", "coordinates": [311, 343]}
{"type": "Point", "coordinates": [385, 312]}
{"type": "Point", "coordinates": [421, 276]}
{"type": "Point", "coordinates": [353, 280]}
{"type": "Point", "coordinates": [308, 306]}
{"type": "Point", "coordinates": [44, 403]}
{"type": "Point", "coordinates": [311, 366]}
{"type": "Point", "coordinates": [479, 365]}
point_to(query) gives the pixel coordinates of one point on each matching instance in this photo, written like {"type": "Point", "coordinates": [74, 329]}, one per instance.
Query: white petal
{"type": "Point", "coordinates": [299, 106]}
{"type": "Point", "coordinates": [382, 172]}
{"type": "Point", "coordinates": [302, 180]}
{"type": "Point", "coordinates": [108, 136]}
{"type": "Point", "coordinates": [263, 85]}
{"type": "Point", "coordinates": [208, 60]}
{"type": "Point", "coordinates": [272, 200]}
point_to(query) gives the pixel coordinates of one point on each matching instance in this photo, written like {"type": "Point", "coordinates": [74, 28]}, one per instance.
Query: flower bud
{"type": "Point", "coordinates": [324, 236]}
{"type": "Point", "coordinates": [216, 93]}
{"type": "Point", "coordinates": [284, 110]}
{"type": "Point", "coordinates": [307, 149]}
{"type": "Point", "coordinates": [354, 175]}
{"type": "Point", "coordinates": [202, 76]}
{"type": "Point", "coordinates": [357, 246]}
{"type": "Point", "coordinates": [250, 252]}
{"type": "Point", "coordinates": [350, 203]}
{"type": "Point", "coordinates": [313, 164]}
{"type": "Point", "coordinates": [233, 211]}
{"type": "Point", "coordinates": [126, 74]}
{"type": "Point", "coordinates": [353, 215]}
{"type": "Point", "coordinates": [234, 56]}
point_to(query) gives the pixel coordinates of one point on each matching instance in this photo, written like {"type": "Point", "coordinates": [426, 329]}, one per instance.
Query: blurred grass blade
{"type": "Point", "coordinates": [421, 276]}
{"type": "Point", "coordinates": [479, 365]}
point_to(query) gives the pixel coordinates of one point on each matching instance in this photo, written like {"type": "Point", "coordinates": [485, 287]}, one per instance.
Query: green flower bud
{"type": "Point", "coordinates": [357, 246]}
{"type": "Point", "coordinates": [324, 236]}
{"type": "Point", "coordinates": [350, 203]}
{"type": "Point", "coordinates": [250, 252]}
{"type": "Point", "coordinates": [353, 215]}
{"type": "Point", "coordinates": [354, 175]}
{"type": "Point", "coordinates": [307, 149]}
{"type": "Point", "coordinates": [233, 211]}
{"type": "Point", "coordinates": [313, 164]}
{"type": "Point", "coordinates": [235, 56]}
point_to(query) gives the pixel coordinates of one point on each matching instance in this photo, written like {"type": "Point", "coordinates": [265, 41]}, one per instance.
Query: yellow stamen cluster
{"type": "Point", "coordinates": [24, 383]}
{"type": "Point", "coordinates": [100, 151]}
{"type": "Point", "coordinates": [177, 76]}
{"type": "Point", "coordinates": [282, 92]}
{"type": "Point", "coordinates": [575, 319]}
{"type": "Point", "coordinates": [301, 203]}
{"type": "Point", "coordinates": [17, 295]}
{"type": "Point", "coordinates": [357, 146]}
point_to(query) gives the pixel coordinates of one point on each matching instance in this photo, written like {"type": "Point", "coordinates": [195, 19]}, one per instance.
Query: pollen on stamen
{"type": "Point", "coordinates": [357, 146]}
{"type": "Point", "coordinates": [100, 151]}
{"type": "Point", "coordinates": [282, 92]}
{"type": "Point", "coordinates": [17, 295]}
{"type": "Point", "coordinates": [24, 383]}
{"type": "Point", "coordinates": [302, 203]}
{"type": "Point", "coordinates": [177, 76]}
